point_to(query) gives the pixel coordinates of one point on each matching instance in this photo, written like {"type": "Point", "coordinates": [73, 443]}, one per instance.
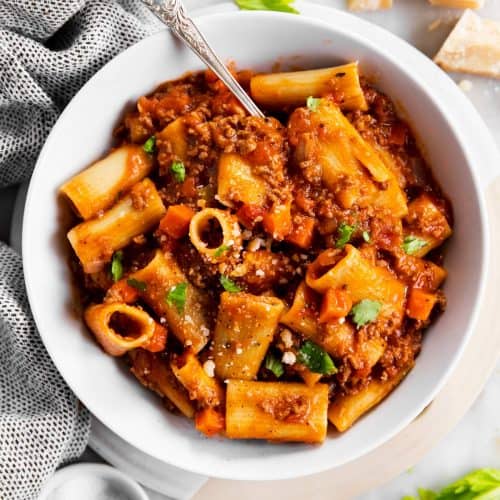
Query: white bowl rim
{"type": "Point", "coordinates": [231, 473]}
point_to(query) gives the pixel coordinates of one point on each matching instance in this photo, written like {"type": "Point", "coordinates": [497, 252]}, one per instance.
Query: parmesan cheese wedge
{"type": "Point", "coordinates": [472, 47]}
{"type": "Point", "coordinates": [361, 5]}
{"type": "Point", "coordinates": [458, 4]}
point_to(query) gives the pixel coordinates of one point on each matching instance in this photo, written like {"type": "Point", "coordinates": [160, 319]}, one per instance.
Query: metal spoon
{"type": "Point", "coordinates": [174, 15]}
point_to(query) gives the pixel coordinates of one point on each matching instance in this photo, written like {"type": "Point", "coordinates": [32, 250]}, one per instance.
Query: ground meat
{"type": "Point", "coordinates": [287, 408]}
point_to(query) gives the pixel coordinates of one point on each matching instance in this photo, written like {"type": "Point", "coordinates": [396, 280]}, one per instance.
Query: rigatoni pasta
{"type": "Point", "coordinates": [277, 90]}
{"type": "Point", "coordinates": [97, 187]}
{"type": "Point", "coordinates": [160, 279]}
{"type": "Point", "coordinates": [135, 322]}
{"type": "Point", "coordinates": [94, 241]}
{"type": "Point", "coordinates": [276, 411]}
{"type": "Point", "coordinates": [264, 276]}
{"type": "Point", "coordinates": [244, 331]}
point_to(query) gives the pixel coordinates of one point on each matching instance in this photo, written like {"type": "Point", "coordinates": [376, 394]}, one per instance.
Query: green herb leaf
{"type": "Point", "coordinates": [229, 285]}
{"type": "Point", "coordinates": [176, 296]}
{"type": "Point", "coordinates": [345, 232]}
{"type": "Point", "coordinates": [316, 358]}
{"type": "Point", "coordinates": [277, 5]}
{"type": "Point", "coordinates": [150, 145]}
{"type": "Point", "coordinates": [272, 363]}
{"type": "Point", "coordinates": [117, 265]}
{"type": "Point", "coordinates": [221, 250]}
{"type": "Point", "coordinates": [365, 311]}
{"type": "Point", "coordinates": [138, 285]}
{"type": "Point", "coordinates": [178, 171]}
{"type": "Point", "coordinates": [412, 244]}
{"type": "Point", "coordinates": [481, 484]}
{"type": "Point", "coordinates": [423, 494]}
{"type": "Point", "coordinates": [313, 103]}
{"type": "Point", "coordinates": [366, 236]}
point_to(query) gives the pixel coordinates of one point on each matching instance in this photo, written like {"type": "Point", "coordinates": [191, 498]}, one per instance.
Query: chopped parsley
{"type": "Point", "coordinates": [273, 364]}
{"type": "Point", "coordinates": [479, 484]}
{"type": "Point", "coordinates": [221, 250]}
{"type": "Point", "coordinates": [412, 244]}
{"type": "Point", "coordinates": [117, 265]}
{"type": "Point", "coordinates": [277, 5]}
{"type": "Point", "coordinates": [313, 103]}
{"type": "Point", "coordinates": [229, 285]}
{"type": "Point", "coordinates": [345, 232]}
{"type": "Point", "coordinates": [316, 358]}
{"type": "Point", "coordinates": [178, 171]}
{"type": "Point", "coordinates": [150, 145]}
{"type": "Point", "coordinates": [365, 311]}
{"type": "Point", "coordinates": [138, 285]}
{"type": "Point", "coordinates": [176, 296]}
{"type": "Point", "coordinates": [366, 236]}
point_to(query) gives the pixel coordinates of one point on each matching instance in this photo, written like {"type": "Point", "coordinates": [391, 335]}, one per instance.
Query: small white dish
{"type": "Point", "coordinates": [91, 482]}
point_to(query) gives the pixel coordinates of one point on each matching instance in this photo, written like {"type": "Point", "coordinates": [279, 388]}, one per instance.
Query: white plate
{"type": "Point", "coordinates": [101, 383]}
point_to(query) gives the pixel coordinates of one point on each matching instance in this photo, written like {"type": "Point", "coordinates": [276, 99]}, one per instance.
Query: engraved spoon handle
{"type": "Point", "coordinates": [174, 15]}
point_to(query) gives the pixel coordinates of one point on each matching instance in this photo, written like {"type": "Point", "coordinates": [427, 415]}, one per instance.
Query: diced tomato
{"type": "Point", "coordinates": [249, 215]}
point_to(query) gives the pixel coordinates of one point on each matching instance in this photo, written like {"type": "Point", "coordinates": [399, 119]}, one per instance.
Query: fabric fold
{"type": "Point", "coordinates": [48, 50]}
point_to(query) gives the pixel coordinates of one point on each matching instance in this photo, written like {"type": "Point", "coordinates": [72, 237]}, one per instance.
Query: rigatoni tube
{"type": "Point", "coordinates": [169, 293]}
{"type": "Point", "coordinates": [362, 279]}
{"type": "Point", "coordinates": [154, 372]}
{"type": "Point", "coordinates": [94, 241]}
{"type": "Point", "coordinates": [213, 220]}
{"type": "Point", "coordinates": [275, 90]}
{"type": "Point", "coordinates": [97, 187]}
{"type": "Point", "coordinates": [345, 410]}
{"type": "Point", "coordinates": [202, 388]}
{"type": "Point", "coordinates": [138, 325]}
{"type": "Point", "coordinates": [276, 411]}
{"type": "Point", "coordinates": [245, 328]}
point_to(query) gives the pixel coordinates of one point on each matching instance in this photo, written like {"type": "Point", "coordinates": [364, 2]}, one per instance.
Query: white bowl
{"type": "Point", "coordinates": [88, 481]}
{"type": "Point", "coordinates": [255, 40]}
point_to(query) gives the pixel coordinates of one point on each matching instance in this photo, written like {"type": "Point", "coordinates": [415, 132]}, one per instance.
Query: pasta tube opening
{"type": "Point", "coordinates": [119, 327]}
{"type": "Point", "coordinates": [211, 230]}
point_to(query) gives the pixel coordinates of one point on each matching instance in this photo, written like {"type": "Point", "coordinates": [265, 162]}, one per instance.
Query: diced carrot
{"type": "Point", "coordinates": [209, 421]}
{"type": "Point", "coordinates": [303, 202]}
{"type": "Point", "coordinates": [158, 341]}
{"type": "Point", "coordinates": [420, 304]}
{"type": "Point", "coordinates": [176, 221]}
{"type": "Point", "coordinates": [336, 304]}
{"type": "Point", "coordinates": [302, 232]}
{"type": "Point", "coordinates": [121, 291]}
{"type": "Point", "coordinates": [310, 378]}
{"type": "Point", "coordinates": [249, 215]}
{"type": "Point", "coordinates": [188, 188]}
{"type": "Point", "coordinates": [278, 222]}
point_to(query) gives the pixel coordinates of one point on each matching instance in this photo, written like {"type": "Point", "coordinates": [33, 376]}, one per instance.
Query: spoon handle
{"type": "Point", "coordinates": [174, 15]}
